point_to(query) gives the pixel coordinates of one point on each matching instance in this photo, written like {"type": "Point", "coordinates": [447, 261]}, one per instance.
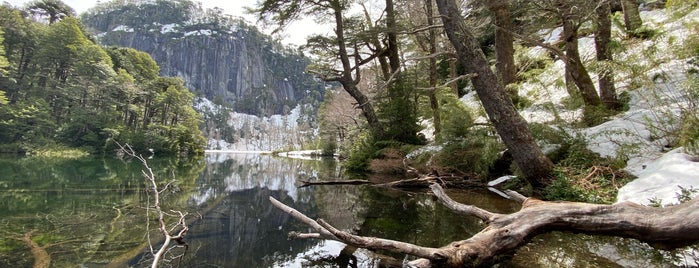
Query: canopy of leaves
{"type": "Point", "coordinates": [64, 89]}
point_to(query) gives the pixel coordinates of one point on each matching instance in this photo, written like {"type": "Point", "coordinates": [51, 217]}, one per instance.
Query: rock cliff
{"type": "Point", "coordinates": [220, 56]}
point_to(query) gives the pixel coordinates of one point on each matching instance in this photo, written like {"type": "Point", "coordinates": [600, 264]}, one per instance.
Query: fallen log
{"type": "Point", "coordinates": [671, 227]}
{"type": "Point", "coordinates": [338, 182]}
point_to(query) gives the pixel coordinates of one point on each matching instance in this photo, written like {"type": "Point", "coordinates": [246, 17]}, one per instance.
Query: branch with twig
{"type": "Point", "coordinates": [175, 233]}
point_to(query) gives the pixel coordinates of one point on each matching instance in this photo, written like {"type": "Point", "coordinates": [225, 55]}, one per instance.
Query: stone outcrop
{"type": "Point", "coordinates": [219, 56]}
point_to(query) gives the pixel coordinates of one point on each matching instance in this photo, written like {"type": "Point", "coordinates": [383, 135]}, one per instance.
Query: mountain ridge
{"type": "Point", "coordinates": [218, 55]}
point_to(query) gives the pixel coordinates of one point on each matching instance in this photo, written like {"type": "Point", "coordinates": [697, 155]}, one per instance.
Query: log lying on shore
{"type": "Point", "coordinates": [420, 182]}
{"type": "Point", "coordinates": [671, 227]}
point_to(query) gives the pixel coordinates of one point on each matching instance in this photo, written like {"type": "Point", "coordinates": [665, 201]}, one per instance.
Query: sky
{"type": "Point", "coordinates": [294, 34]}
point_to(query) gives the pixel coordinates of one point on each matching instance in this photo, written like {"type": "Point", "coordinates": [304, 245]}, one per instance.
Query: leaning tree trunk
{"type": "Point", "coordinates": [604, 57]}
{"type": "Point", "coordinates": [670, 227]}
{"type": "Point", "coordinates": [632, 16]}
{"type": "Point", "coordinates": [574, 65]}
{"type": "Point", "coordinates": [511, 127]}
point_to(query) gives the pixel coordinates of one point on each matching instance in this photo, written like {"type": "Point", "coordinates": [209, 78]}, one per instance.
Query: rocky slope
{"type": "Point", "coordinates": [219, 56]}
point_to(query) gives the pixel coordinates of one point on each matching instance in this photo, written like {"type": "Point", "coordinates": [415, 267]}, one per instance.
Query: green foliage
{"type": "Point", "coordinates": [456, 119]}
{"type": "Point", "coordinates": [530, 65]}
{"type": "Point", "coordinates": [54, 10]}
{"type": "Point", "coordinates": [689, 133]}
{"type": "Point", "coordinates": [597, 184]}
{"type": "Point", "coordinates": [138, 64]}
{"type": "Point", "coordinates": [399, 114]}
{"type": "Point", "coordinates": [563, 188]}
{"type": "Point", "coordinates": [680, 8]}
{"type": "Point", "coordinates": [473, 153]}
{"type": "Point", "coordinates": [360, 154]}
{"type": "Point", "coordinates": [66, 90]}
{"type": "Point", "coordinates": [4, 64]}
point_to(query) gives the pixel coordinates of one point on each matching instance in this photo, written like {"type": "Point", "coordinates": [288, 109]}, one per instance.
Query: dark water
{"type": "Point", "coordinates": [91, 213]}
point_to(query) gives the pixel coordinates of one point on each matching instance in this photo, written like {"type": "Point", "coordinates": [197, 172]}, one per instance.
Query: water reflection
{"type": "Point", "coordinates": [90, 213]}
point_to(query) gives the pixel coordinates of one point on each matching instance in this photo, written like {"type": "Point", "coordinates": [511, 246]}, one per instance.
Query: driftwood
{"type": "Point", "coordinates": [671, 227]}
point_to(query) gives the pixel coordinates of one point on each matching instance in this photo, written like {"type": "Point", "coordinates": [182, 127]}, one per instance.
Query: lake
{"type": "Point", "coordinates": [92, 213]}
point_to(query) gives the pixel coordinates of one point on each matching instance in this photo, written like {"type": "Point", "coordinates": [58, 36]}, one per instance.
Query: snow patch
{"type": "Point", "coordinates": [661, 178]}
{"type": "Point", "coordinates": [123, 28]}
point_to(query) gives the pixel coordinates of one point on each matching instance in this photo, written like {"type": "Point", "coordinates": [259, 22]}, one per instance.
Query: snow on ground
{"type": "Point", "coordinates": [661, 178]}
{"type": "Point", "coordinates": [639, 134]}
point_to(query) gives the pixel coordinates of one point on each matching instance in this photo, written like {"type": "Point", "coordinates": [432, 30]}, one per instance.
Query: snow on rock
{"type": "Point", "coordinates": [660, 179]}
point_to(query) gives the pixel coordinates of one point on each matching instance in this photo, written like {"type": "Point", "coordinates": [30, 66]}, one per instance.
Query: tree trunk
{"type": "Point", "coordinates": [504, 48]}
{"type": "Point", "coordinates": [604, 57]}
{"type": "Point", "coordinates": [632, 16]}
{"type": "Point", "coordinates": [349, 83]}
{"type": "Point", "coordinates": [432, 92]}
{"type": "Point", "coordinates": [574, 65]}
{"type": "Point", "coordinates": [511, 127]}
{"type": "Point", "coordinates": [670, 227]}
{"type": "Point", "coordinates": [391, 26]}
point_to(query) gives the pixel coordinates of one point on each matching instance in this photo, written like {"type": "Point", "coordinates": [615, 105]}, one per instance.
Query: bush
{"type": "Point", "coordinates": [456, 119]}
{"type": "Point", "coordinates": [475, 152]}
{"type": "Point", "coordinates": [361, 153]}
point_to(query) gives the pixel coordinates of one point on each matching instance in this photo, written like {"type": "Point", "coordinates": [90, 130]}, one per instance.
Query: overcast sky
{"type": "Point", "coordinates": [294, 34]}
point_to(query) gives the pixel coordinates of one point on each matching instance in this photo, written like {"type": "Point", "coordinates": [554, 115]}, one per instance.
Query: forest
{"type": "Point", "coordinates": [450, 93]}
{"type": "Point", "coordinates": [62, 90]}
{"type": "Point", "coordinates": [416, 61]}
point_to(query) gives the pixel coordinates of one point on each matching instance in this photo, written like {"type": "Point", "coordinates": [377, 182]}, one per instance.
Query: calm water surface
{"type": "Point", "coordinates": [91, 213]}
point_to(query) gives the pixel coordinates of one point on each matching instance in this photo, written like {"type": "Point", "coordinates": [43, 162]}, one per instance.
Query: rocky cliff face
{"type": "Point", "coordinates": [219, 56]}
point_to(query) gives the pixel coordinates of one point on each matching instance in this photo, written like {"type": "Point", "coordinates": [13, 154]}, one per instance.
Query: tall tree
{"type": "Point", "coordinates": [54, 10]}
{"type": "Point", "coordinates": [511, 127]}
{"type": "Point", "coordinates": [20, 45]}
{"type": "Point", "coordinates": [571, 19]}
{"type": "Point", "coordinates": [432, 91]}
{"type": "Point", "coordinates": [346, 52]}
{"type": "Point", "coordinates": [605, 72]}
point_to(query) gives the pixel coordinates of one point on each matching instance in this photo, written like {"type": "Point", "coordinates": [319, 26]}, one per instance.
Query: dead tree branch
{"type": "Point", "coordinates": [175, 233]}
{"type": "Point", "coordinates": [672, 227]}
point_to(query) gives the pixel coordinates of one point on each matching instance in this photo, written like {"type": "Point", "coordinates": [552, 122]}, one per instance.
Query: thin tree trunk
{"type": "Point", "coordinates": [511, 127]}
{"type": "Point", "coordinates": [632, 16]}
{"type": "Point", "coordinates": [432, 93]}
{"type": "Point", "coordinates": [574, 65]}
{"type": "Point", "coordinates": [504, 48]}
{"type": "Point", "coordinates": [349, 83]}
{"type": "Point", "coordinates": [604, 57]}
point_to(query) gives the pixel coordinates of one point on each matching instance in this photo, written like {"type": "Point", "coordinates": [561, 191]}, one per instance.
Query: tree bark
{"type": "Point", "coordinates": [432, 92]}
{"type": "Point", "coordinates": [511, 127]}
{"type": "Point", "coordinates": [671, 226]}
{"type": "Point", "coordinates": [604, 57]}
{"type": "Point", "coordinates": [574, 65]}
{"type": "Point", "coordinates": [504, 48]}
{"type": "Point", "coordinates": [632, 16]}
